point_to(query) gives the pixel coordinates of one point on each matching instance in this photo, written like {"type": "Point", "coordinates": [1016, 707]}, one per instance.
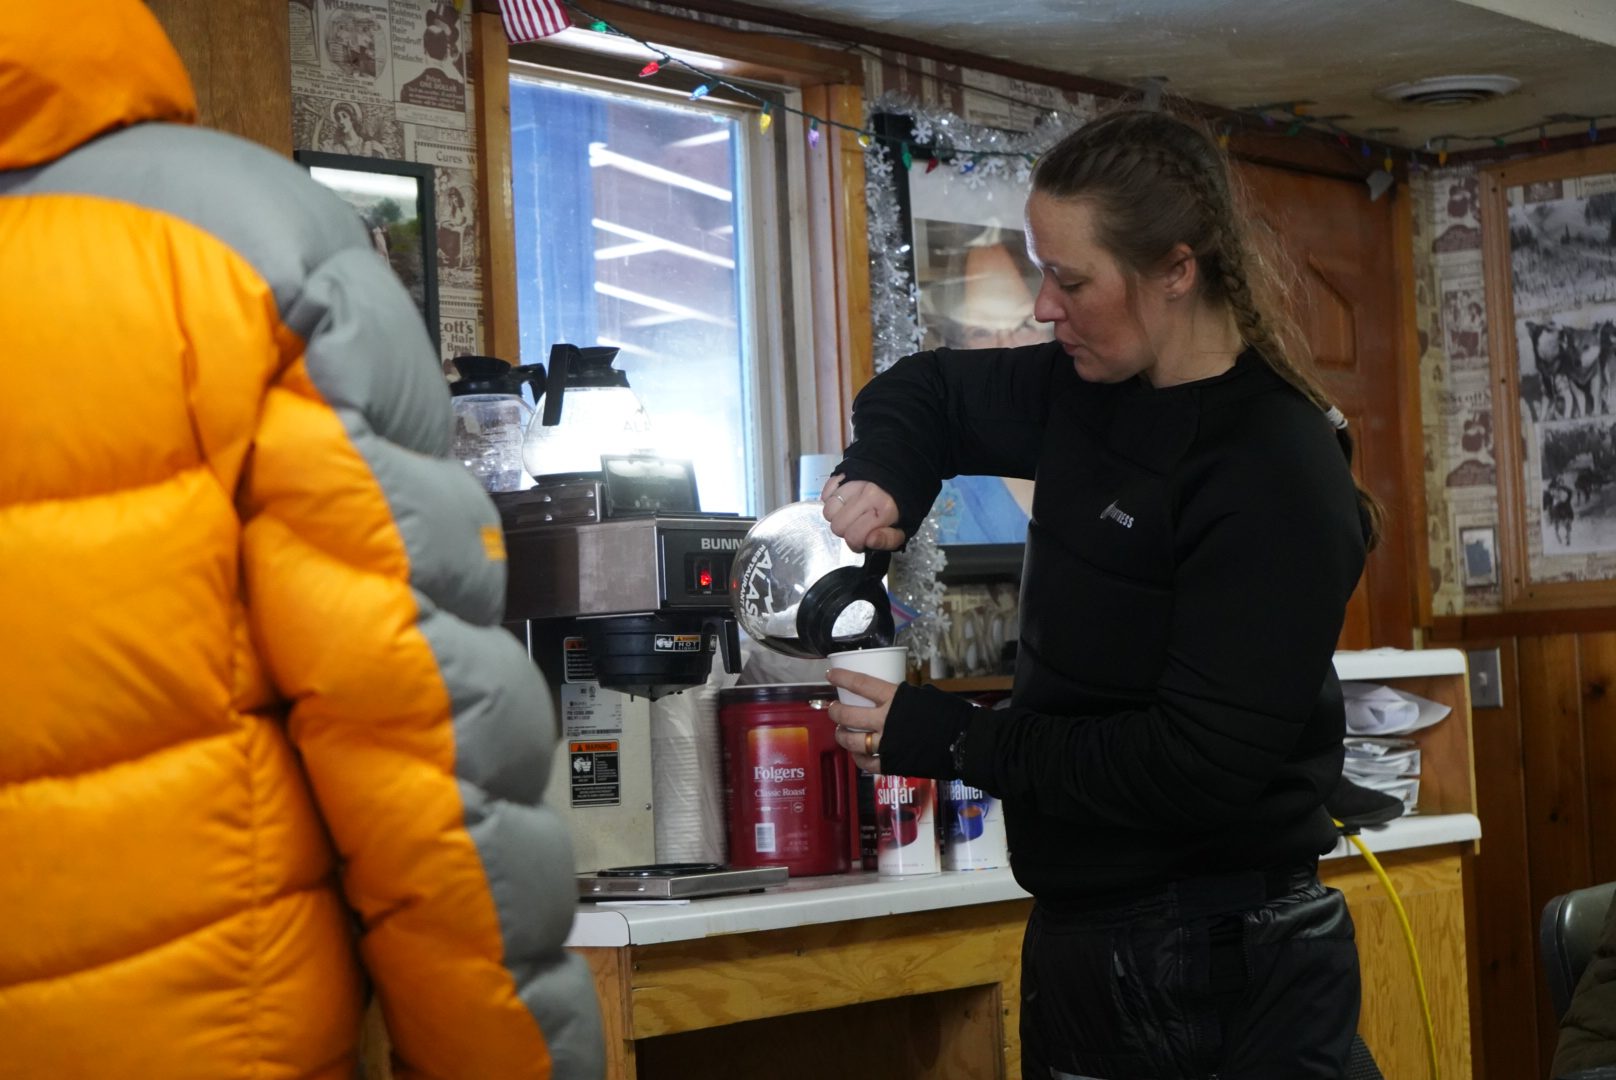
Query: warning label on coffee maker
{"type": "Point", "coordinates": [594, 773]}
{"type": "Point", "coordinates": [577, 666]}
{"type": "Point", "coordinates": [592, 724]}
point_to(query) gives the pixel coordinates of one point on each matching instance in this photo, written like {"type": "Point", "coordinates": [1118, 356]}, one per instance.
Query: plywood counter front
{"type": "Point", "coordinates": [863, 976]}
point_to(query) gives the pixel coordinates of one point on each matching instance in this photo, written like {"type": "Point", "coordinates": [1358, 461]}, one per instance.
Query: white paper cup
{"type": "Point", "coordinates": [891, 664]}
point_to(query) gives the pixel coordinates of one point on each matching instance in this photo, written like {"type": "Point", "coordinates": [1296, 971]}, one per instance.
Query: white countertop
{"type": "Point", "coordinates": [1420, 830]}
{"type": "Point", "coordinates": [1372, 664]}
{"type": "Point", "coordinates": [808, 901]}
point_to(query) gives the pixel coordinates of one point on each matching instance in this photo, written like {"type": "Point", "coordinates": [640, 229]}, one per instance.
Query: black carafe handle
{"type": "Point", "coordinates": [563, 358]}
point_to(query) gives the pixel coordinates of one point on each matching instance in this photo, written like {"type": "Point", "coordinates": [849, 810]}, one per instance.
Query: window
{"type": "Point", "coordinates": [648, 221]}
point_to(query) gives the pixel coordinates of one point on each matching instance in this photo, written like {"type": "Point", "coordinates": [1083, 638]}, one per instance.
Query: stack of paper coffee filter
{"type": "Point", "coordinates": [687, 773]}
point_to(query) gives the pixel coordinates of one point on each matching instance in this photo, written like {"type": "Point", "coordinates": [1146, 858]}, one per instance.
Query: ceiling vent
{"type": "Point", "coordinates": [1448, 91]}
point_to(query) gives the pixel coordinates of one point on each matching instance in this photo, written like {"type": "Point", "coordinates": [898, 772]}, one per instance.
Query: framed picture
{"type": "Point", "coordinates": [1549, 228]}
{"type": "Point", "coordinates": [395, 201]}
{"type": "Point", "coordinates": [1478, 555]}
{"type": "Point", "coordinates": [976, 287]}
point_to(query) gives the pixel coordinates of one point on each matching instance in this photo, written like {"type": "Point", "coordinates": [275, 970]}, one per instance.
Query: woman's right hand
{"type": "Point", "coordinates": [862, 514]}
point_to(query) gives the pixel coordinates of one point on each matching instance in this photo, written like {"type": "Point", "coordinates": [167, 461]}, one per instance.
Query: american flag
{"type": "Point", "coordinates": [529, 20]}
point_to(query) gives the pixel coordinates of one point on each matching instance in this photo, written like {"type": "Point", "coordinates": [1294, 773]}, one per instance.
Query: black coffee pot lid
{"type": "Point", "coordinates": [587, 366]}
{"type": "Point", "coordinates": [491, 375]}
{"type": "Point", "coordinates": [829, 598]}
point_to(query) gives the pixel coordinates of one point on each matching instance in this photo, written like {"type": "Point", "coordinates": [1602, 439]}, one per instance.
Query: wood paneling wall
{"type": "Point", "coordinates": [1546, 795]}
{"type": "Point", "coordinates": [239, 59]}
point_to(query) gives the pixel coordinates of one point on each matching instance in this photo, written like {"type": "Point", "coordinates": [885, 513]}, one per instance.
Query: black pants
{"type": "Point", "coordinates": [1243, 977]}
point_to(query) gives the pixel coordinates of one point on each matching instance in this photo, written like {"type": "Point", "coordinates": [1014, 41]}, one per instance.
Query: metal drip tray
{"type": "Point", "coordinates": [676, 881]}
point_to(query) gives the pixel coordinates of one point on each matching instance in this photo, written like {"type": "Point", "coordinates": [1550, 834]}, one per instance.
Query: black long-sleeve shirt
{"type": "Point", "coordinates": [1189, 558]}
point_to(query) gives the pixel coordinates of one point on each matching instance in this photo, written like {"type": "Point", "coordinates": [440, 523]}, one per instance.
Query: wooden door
{"type": "Point", "coordinates": [1340, 247]}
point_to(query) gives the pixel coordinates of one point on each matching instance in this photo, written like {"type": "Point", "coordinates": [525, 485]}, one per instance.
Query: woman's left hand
{"type": "Point", "coordinates": [859, 727]}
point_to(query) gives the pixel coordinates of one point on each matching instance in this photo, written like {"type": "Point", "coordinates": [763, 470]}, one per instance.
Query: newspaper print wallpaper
{"type": "Point", "coordinates": [1456, 402]}
{"type": "Point", "coordinates": [392, 79]}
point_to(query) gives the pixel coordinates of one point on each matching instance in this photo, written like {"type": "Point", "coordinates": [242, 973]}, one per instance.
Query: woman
{"type": "Point", "coordinates": [1176, 720]}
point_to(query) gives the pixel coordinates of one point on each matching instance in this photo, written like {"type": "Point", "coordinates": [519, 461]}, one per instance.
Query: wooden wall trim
{"type": "Point", "coordinates": [840, 264]}
{"type": "Point", "coordinates": [1450, 629]}
{"type": "Point", "coordinates": [1492, 155]}
{"type": "Point", "coordinates": [497, 222]}
{"type": "Point", "coordinates": [782, 60]}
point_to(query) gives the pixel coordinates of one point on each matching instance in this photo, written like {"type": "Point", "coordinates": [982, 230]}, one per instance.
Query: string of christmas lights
{"type": "Point", "coordinates": [709, 81]}
{"type": "Point", "coordinates": [1294, 116]}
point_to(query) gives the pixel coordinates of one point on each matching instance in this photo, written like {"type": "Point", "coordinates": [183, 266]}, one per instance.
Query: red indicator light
{"type": "Point", "coordinates": [704, 578]}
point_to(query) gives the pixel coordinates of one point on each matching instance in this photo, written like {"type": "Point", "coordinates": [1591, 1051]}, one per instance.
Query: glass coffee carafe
{"type": "Point", "coordinates": [797, 588]}
{"type": "Point", "coordinates": [601, 415]}
{"type": "Point", "coordinates": [491, 419]}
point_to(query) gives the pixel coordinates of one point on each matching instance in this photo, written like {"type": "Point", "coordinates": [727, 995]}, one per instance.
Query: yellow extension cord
{"type": "Point", "coordinates": [1408, 939]}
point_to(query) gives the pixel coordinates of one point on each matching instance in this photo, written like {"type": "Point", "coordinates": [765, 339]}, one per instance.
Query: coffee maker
{"type": "Point", "coordinates": [619, 586]}
{"type": "Point", "coordinates": [616, 613]}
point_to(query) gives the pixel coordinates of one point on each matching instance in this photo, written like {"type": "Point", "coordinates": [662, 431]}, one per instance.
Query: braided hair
{"type": "Point", "coordinates": [1156, 181]}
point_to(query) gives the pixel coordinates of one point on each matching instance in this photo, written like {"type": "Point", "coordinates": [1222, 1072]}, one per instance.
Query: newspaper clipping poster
{"type": "Point", "coordinates": [1562, 236]}
{"type": "Point", "coordinates": [429, 63]}
{"type": "Point", "coordinates": [388, 79]}
{"type": "Point", "coordinates": [459, 329]}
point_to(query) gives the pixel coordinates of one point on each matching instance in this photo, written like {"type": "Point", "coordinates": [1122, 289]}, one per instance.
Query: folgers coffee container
{"type": "Point", "coordinates": [973, 828]}
{"type": "Point", "coordinates": [786, 786]}
{"type": "Point", "coordinates": [868, 832]}
{"type": "Point", "coordinates": [906, 826]}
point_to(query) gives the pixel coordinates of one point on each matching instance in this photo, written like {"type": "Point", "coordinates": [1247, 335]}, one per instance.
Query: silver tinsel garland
{"type": "Point", "coordinates": [977, 153]}
{"type": "Point", "coordinates": [893, 297]}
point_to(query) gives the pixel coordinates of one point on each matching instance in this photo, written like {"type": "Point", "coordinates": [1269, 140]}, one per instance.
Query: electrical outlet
{"type": "Point", "coordinates": [1486, 679]}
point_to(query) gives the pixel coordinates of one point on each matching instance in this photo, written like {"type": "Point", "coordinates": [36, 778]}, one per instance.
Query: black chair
{"type": "Point", "coordinates": [1568, 935]}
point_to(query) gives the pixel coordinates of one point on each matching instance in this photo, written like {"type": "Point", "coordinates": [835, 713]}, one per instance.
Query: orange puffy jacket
{"type": "Point", "coordinates": [260, 724]}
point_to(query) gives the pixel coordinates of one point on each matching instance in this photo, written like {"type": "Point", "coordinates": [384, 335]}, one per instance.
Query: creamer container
{"type": "Point", "coordinates": [973, 828]}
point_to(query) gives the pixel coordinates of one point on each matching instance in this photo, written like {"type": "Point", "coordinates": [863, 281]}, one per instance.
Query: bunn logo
{"type": "Point", "coordinates": [720, 543]}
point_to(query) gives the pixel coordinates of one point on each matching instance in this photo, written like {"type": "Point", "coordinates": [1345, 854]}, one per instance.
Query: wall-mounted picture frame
{"type": "Point", "coordinates": [1478, 555]}
{"type": "Point", "coordinates": [1549, 234]}
{"type": "Point", "coordinates": [975, 285]}
{"type": "Point", "coordinates": [395, 201]}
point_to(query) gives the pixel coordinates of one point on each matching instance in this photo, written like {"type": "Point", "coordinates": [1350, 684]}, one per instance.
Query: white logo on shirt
{"type": "Point", "coordinates": [1112, 513]}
